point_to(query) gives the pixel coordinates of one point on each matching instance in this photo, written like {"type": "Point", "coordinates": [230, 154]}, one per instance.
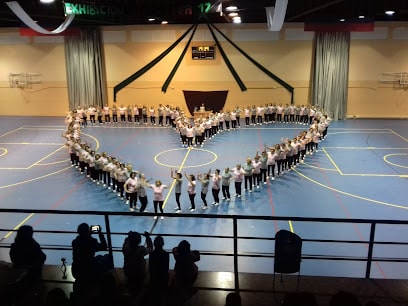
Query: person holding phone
{"type": "Point", "coordinates": [85, 265]}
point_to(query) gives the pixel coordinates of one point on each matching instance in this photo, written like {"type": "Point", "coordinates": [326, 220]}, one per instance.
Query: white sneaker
{"type": "Point", "coordinates": [155, 217]}
{"type": "Point", "coordinates": [178, 211]}
{"type": "Point", "coordinates": [192, 209]}
{"type": "Point", "coordinates": [204, 207]}
{"type": "Point", "coordinates": [228, 199]}
{"type": "Point", "coordinates": [162, 218]}
{"type": "Point", "coordinates": [127, 202]}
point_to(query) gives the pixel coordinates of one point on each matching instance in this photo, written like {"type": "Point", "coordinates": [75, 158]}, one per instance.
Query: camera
{"type": "Point", "coordinates": [95, 228]}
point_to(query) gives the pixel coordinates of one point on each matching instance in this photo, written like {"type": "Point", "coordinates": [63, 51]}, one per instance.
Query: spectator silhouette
{"type": "Point", "coordinates": [57, 297]}
{"type": "Point", "coordinates": [185, 269]}
{"type": "Point", "coordinates": [26, 253]}
{"type": "Point", "coordinates": [233, 299]}
{"type": "Point", "coordinates": [342, 298]}
{"type": "Point", "coordinates": [86, 266]}
{"type": "Point", "coordinates": [299, 299]}
{"type": "Point", "coordinates": [159, 271]}
{"type": "Point", "coordinates": [134, 265]}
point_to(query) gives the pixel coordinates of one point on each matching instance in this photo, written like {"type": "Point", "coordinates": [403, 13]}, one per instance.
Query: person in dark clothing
{"type": "Point", "coordinates": [159, 265]}
{"type": "Point", "coordinates": [159, 271]}
{"type": "Point", "coordinates": [134, 265]}
{"type": "Point", "coordinates": [85, 265]}
{"type": "Point", "coordinates": [26, 253]}
{"type": "Point", "coordinates": [185, 269]}
{"type": "Point", "coordinates": [233, 299]}
{"type": "Point", "coordinates": [27, 258]}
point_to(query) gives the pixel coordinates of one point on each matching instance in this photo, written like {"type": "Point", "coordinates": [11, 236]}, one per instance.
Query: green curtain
{"type": "Point", "coordinates": [331, 71]}
{"type": "Point", "coordinates": [85, 66]}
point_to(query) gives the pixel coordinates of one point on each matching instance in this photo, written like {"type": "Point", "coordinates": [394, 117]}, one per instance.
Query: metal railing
{"type": "Point", "coordinates": [235, 237]}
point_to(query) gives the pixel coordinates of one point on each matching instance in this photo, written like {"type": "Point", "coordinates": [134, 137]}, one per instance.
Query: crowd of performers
{"type": "Point", "coordinates": [271, 162]}
{"type": "Point", "coordinates": [166, 115]}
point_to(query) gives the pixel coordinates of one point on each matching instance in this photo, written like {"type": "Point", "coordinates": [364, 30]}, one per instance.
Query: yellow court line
{"type": "Point", "coordinates": [17, 227]}
{"type": "Point", "coordinates": [5, 151]}
{"type": "Point", "coordinates": [320, 168]}
{"type": "Point", "coordinates": [46, 157]}
{"type": "Point", "coordinates": [375, 131]}
{"type": "Point", "coordinates": [332, 161]}
{"type": "Point", "coordinates": [12, 131]}
{"type": "Point", "coordinates": [34, 179]}
{"type": "Point", "coordinates": [156, 158]}
{"type": "Point", "coordinates": [291, 226]}
{"type": "Point", "coordinates": [174, 181]}
{"type": "Point", "coordinates": [405, 139]}
{"type": "Point", "coordinates": [350, 194]}
{"type": "Point", "coordinates": [54, 163]}
{"type": "Point", "coordinates": [373, 175]}
{"type": "Point", "coordinates": [43, 128]}
{"type": "Point", "coordinates": [94, 138]}
{"type": "Point", "coordinates": [396, 165]}
{"type": "Point", "coordinates": [365, 148]}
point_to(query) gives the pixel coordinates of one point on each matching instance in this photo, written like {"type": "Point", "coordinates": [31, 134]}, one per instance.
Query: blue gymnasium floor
{"type": "Point", "coordinates": [360, 171]}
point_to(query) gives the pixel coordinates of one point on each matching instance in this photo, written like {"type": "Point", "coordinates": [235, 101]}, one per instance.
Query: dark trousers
{"type": "Point", "coordinates": [143, 203]}
{"type": "Point", "coordinates": [215, 193]}
{"type": "Point", "coordinates": [225, 192]}
{"type": "Point", "coordinates": [158, 204]}
{"type": "Point", "coordinates": [203, 198]}
{"type": "Point", "coordinates": [248, 180]}
{"type": "Point", "coordinates": [238, 187]}
{"type": "Point", "coordinates": [191, 197]}
{"type": "Point", "coordinates": [132, 196]}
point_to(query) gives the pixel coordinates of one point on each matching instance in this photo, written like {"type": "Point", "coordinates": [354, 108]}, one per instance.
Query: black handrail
{"type": "Point", "coordinates": [235, 237]}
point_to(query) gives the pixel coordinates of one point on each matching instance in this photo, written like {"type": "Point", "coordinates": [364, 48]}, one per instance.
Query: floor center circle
{"type": "Point", "coordinates": [175, 158]}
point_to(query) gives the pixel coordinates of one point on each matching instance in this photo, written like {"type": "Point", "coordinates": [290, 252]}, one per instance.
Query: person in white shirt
{"type": "Point", "coordinates": [215, 189]}
{"type": "Point", "coordinates": [271, 162]}
{"type": "Point", "coordinates": [190, 135]}
{"type": "Point", "coordinates": [158, 198]}
{"type": "Point", "coordinates": [152, 113]}
{"type": "Point", "coordinates": [131, 191]}
{"type": "Point", "coordinates": [122, 113]}
{"type": "Point", "coordinates": [226, 177]}
{"type": "Point", "coordinates": [205, 182]}
{"type": "Point", "coordinates": [238, 174]}
{"type": "Point", "coordinates": [191, 186]}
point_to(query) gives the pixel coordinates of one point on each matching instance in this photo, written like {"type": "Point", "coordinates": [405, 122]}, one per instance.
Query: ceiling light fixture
{"type": "Point", "coordinates": [233, 14]}
{"type": "Point", "coordinates": [361, 17]}
{"type": "Point", "coordinates": [164, 22]}
{"type": "Point", "coordinates": [342, 20]}
{"type": "Point", "coordinates": [389, 13]}
{"type": "Point", "coordinates": [47, 1]}
{"type": "Point", "coordinates": [231, 8]}
{"type": "Point", "coordinates": [236, 19]}
{"type": "Point", "coordinates": [151, 19]}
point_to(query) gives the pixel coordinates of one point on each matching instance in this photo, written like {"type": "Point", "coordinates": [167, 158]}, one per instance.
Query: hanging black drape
{"type": "Point", "coordinates": [213, 100]}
